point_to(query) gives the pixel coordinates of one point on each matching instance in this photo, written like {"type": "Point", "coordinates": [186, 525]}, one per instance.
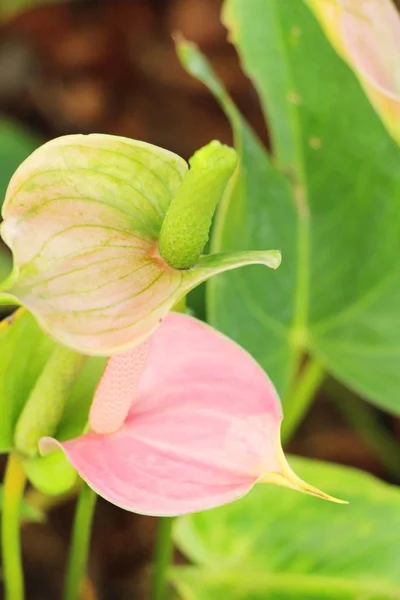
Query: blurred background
{"type": "Point", "coordinates": [110, 67]}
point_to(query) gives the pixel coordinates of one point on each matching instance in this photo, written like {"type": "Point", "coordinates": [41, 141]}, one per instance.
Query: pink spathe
{"type": "Point", "coordinates": [202, 426]}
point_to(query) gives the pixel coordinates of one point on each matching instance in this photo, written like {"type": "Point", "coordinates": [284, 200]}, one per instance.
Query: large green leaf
{"type": "Point", "coordinates": [277, 544]}
{"type": "Point", "coordinates": [15, 145]}
{"type": "Point", "coordinates": [329, 198]}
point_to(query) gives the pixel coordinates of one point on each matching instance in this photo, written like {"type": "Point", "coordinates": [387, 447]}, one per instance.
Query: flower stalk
{"type": "Point", "coordinates": [79, 550]}
{"type": "Point", "coordinates": [162, 557]}
{"type": "Point", "coordinates": [14, 486]}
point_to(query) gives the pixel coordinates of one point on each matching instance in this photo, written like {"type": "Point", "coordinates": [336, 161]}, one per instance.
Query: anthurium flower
{"type": "Point", "coordinates": [202, 428]}
{"type": "Point", "coordinates": [367, 35]}
{"type": "Point", "coordinates": [83, 216]}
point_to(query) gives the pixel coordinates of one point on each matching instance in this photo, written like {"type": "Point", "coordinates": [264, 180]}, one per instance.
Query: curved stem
{"type": "Point", "coordinates": [162, 557]}
{"type": "Point", "coordinates": [301, 397]}
{"type": "Point", "coordinates": [79, 550]}
{"type": "Point", "coordinates": [14, 485]}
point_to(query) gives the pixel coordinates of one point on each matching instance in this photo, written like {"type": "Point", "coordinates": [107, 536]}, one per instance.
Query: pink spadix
{"type": "Point", "coordinates": [117, 387]}
{"type": "Point", "coordinates": [202, 425]}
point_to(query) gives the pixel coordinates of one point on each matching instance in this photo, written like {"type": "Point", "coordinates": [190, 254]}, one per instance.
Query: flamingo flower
{"type": "Point", "coordinates": [202, 427]}
{"type": "Point", "coordinates": [83, 216]}
{"type": "Point", "coordinates": [367, 34]}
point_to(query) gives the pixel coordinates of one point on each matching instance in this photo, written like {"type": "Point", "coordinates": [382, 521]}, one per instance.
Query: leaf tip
{"type": "Point", "coordinates": [276, 259]}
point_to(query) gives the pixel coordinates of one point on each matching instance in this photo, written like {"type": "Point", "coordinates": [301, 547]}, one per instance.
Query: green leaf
{"type": "Point", "coordinates": [329, 198]}
{"type": "Point", "coordinates": [24, 350]}
{"type": "Point", "coordinates": [15, 145]}
{"type": "Point", "coordinates": [277, 544]}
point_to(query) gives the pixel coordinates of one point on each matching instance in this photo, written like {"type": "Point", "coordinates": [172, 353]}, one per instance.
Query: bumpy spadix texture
{"type": "Point", "coordinates": [82, 216]}
{"type": "Point", "coordinates": [191, 211]}
{"type": "Point", "coordinates": [202, 429]}
{"type": "Point", "coordinates": [367, 34]}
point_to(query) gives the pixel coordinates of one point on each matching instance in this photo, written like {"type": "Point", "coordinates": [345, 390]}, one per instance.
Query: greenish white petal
{"type": "Point", "coordinates": [82, 216]}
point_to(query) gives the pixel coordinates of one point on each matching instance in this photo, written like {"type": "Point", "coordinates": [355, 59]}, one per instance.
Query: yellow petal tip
{"type": "Point", "coordinates": [313, 491]}
{"type": "Point", "coordinates": [286, 477]}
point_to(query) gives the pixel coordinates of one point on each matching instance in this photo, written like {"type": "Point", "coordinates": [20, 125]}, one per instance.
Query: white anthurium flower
{"type": "Point", "coordinates": [83, 216]}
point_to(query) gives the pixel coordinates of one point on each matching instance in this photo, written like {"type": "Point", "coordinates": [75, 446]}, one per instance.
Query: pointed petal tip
{"type": "Point", "coordinates": [288, 478]}
{"type": "Point", "coordinates": [295, 483]}
{"type": "Point", "coordinates": [48, 445]}
{"type": "Point", "coordinates": [306, 488]}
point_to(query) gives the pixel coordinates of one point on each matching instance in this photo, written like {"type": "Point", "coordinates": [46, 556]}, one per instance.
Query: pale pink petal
{"type": "Point", "coordinates": [371, 37]}
{"type": "Point", "coordinates": [203, 429]}
{"type": "Point", "coordinates": [92, 208]}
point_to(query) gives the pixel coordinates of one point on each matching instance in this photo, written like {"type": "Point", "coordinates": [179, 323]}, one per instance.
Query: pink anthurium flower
{"type": "Point", "coordinates": [203, 425]}
{"type": "Point", "coordinates": [83, 215]}
{"type": "Point", "coordinates": [367, 35]}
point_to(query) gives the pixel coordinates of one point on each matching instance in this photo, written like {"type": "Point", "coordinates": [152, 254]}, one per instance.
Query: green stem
{"type": "Point", "coordinates": [79, 550]}
{"type": "Point", "coordinates": [162, 558]}
{"type": "Point", "coordinates": [45, 405]}
{"type": "Point", "coordinates": [367, 424]}
{"type": "Point", "coordinates": [14, 485]}
{"type": "Point", "coordinates": [301, 397]}
{"type": "Point", "coordinates": [184, 232]}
